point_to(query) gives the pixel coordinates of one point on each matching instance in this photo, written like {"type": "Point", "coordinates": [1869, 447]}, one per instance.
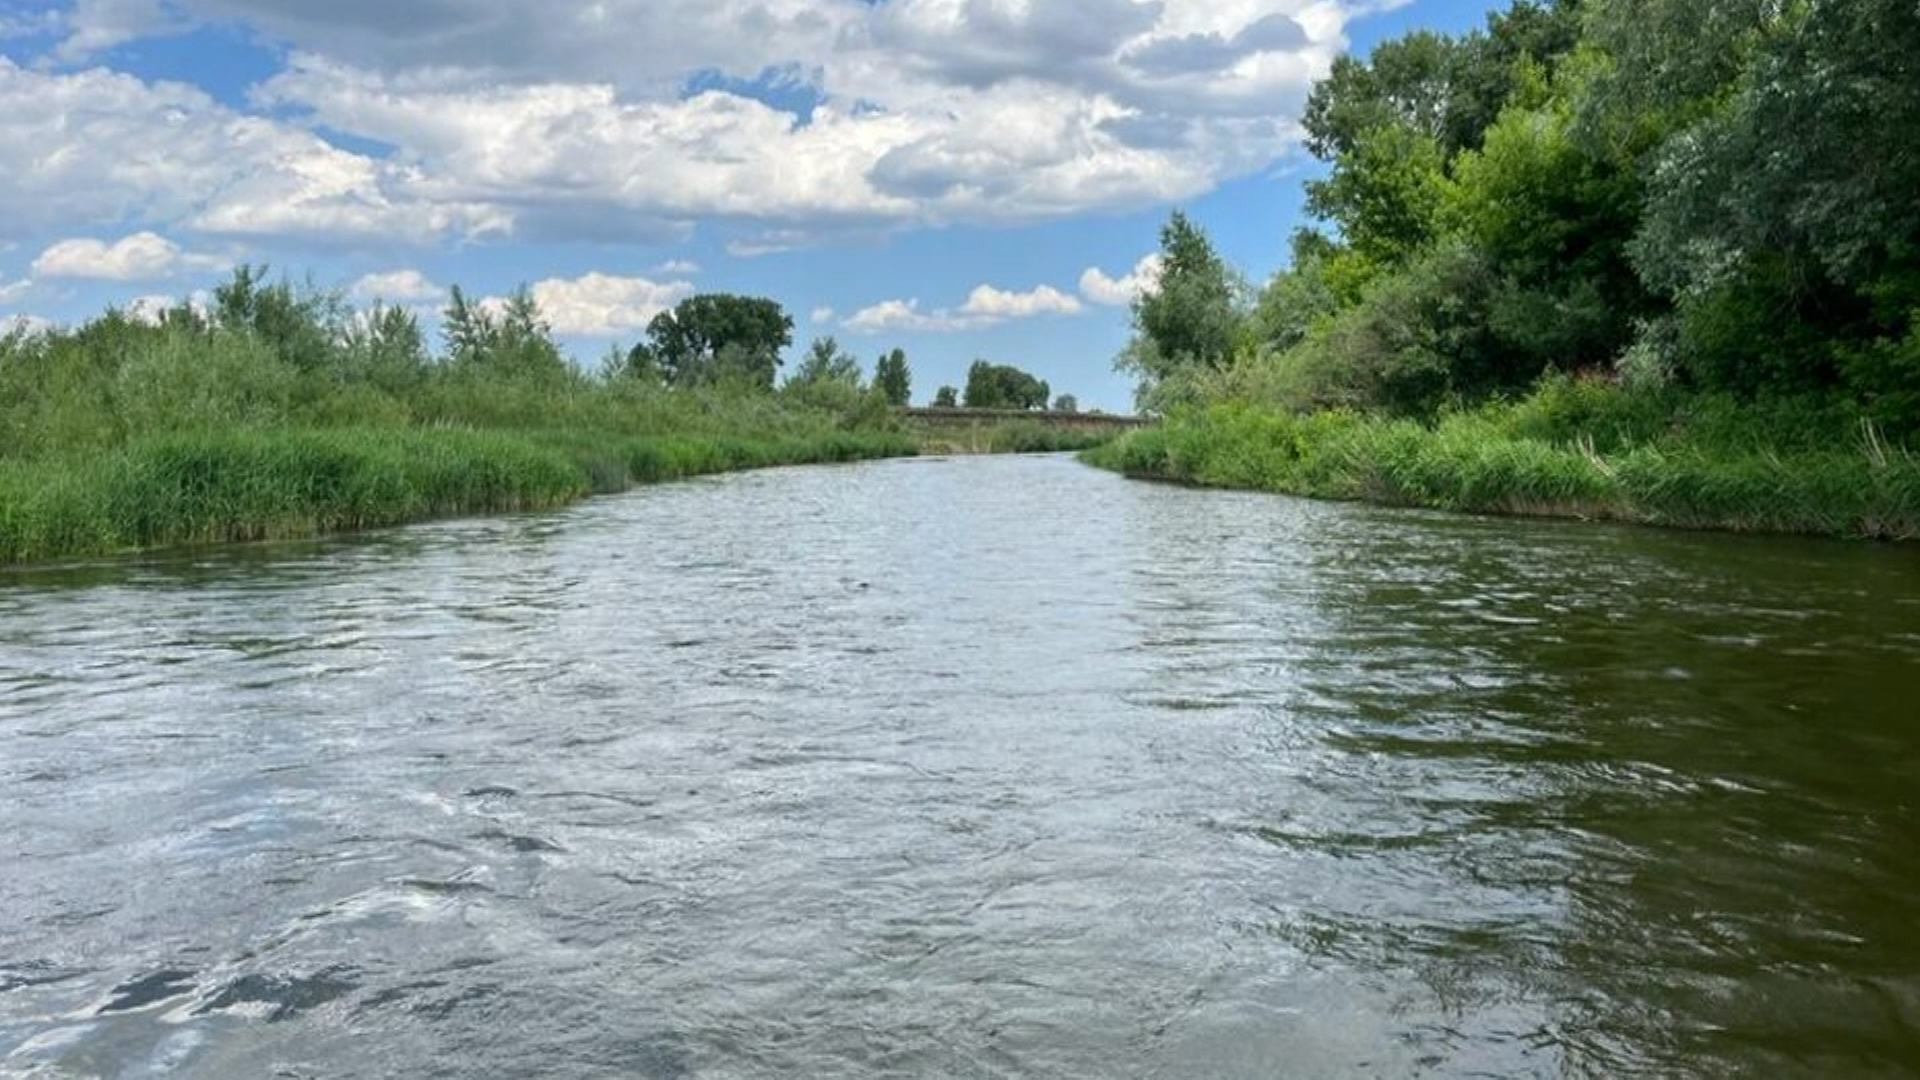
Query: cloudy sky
{"type": "Point", "coordinates": [961, 178]}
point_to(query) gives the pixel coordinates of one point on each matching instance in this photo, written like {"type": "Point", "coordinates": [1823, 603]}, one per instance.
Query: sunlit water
{"type": "Point", "coordinates": [982, 768]}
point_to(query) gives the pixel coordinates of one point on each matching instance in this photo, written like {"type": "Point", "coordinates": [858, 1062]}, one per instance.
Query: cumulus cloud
{"type": "Point", "coordinates": [144, 256]}
{"type": "Point", "coordinates": [601, 305]}
{"type": "Point", "coordinates": [505, 118]}
{"type": "Point", "coordinates": [96, 25]}
{"type": "Point", "coordinates": [1099, 288]}
{"type": "Point", "coordinates": [1211, 52]}
{"type": "Point", "coordinates": [904, 315]}
{"type": "Point", "coordinates": [96, 147]}
{"type": "Point", "coordinates": [682, 267]}
{"type": "Point", "coordinates": [985, 306]}
{"type": "Point", "coordinates": [821, 315]}
{"type": "Point", "coordinates": [987, 302]}
{"type": "Point", "coordinates": [398, 287]}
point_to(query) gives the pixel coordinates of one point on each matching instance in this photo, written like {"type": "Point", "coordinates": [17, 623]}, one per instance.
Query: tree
{"type": "Point", "coordinates": [946, 398]}
{"type": "Point", "coordinates": [1190, 320]}
{"type": "Point", "coordinates": [999, 386]}
{"type": "Point", "coordinates": [1298, 298]}
{"type": "Point", "coordinates": [893, 379]}
{"type": "Point", "coordinates": [1407, 84]}
{"type": "Point", "coordinates": [385, 347]}
{"type": "Point", "coordinates": [504, 338]}
{"type": "Point", "coordinates": [1385, 193]}
{"type": "Point", "coordinates": [1066, 403]}
{"type": "Point", "coordinates": [826, 362]}
{"type": "Point", "coordinates": [299, 325]}
{"type": "Point", "coordinates": [718, 337]}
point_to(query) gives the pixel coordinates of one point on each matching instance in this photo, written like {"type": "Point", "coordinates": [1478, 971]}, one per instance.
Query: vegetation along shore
{"type": "Point", "coordinates": [1644, 260]}
{"type": "Point", "coordinates": [278, 411]}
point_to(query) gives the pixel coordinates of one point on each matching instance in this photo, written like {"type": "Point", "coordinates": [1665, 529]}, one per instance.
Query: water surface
{"type": "Point", "coordinates": [986, 768]}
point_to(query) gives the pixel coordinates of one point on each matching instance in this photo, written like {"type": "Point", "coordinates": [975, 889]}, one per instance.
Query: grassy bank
{"type": "Point", "coordinates": [1572, 449]}
{"type": "Point", "coordinates": [288, 483]}
{"type": "Point", "coordinates": [285, 414]}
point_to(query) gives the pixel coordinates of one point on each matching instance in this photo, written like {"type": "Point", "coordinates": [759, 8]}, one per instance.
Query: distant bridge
{"type": "Point", "coordinates": [1079, 421]}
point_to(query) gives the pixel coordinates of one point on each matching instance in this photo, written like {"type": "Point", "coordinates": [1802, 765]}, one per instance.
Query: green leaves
{"type": "Point", "coordinates": [719, 337]}
{"type": "Point", "coordinates": [893, 380]}
{"type": "Point", "coordinates": [999, 386]}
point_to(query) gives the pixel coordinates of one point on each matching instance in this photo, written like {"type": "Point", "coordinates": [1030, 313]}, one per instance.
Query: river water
{"type": "Point", "coordinates": [975, 768]}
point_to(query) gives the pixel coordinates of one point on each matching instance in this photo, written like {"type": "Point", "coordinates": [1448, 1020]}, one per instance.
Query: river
{"type": "Point", "coordinates": [977, 768]}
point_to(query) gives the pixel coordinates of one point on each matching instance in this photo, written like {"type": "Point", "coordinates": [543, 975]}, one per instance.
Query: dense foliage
{"type": "Point", "coordinates": [893, 379]}
{"type": "Point", "coordinates": [1001, 386]}
{"type": "Point", "coordinates": [1716, 197]}
{"type": "Point", "coordinates": [714, 337]}
{"type": "Point", "coordinates": [1697, 220]}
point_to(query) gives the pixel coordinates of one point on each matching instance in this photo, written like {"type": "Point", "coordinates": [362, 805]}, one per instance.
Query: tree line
{"type": "Point", "coordinates": [1714, 198]}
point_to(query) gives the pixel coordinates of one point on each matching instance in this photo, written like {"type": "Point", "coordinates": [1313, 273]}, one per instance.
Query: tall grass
{"type": "Point", "coordinates": [120, 436]}
{"type": "Point", "coordinates": [1584, 450]}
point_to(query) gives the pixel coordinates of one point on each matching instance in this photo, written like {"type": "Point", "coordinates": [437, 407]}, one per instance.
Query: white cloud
{"type": "Point", "coordinates": [1097, 287]}
{"type": "Point", "coordinates": [10, 293]}
{"type": "Point", "coordinates": [144, 256]}
{"type": "Point", "coordinates": [398, 287]}
{"type": "Point", "coordinates": [96, 25]}
{"type": "Point", "coordinates": [904, 315]}
{"type": "Point", "coordinates": [97, 147]}
{"type": "Point", "coordinates": [682, 267]}
{"type": "Point", "coordinates": [987, 302]}
{"type": "Point", "coordinates": [571, 122]}
{"type": "Point", "coordinates": [986, 306]}
{"type": "Point", "coordinates": [821, 315]}
{"type": "Point", "coordinates": [600, 305]}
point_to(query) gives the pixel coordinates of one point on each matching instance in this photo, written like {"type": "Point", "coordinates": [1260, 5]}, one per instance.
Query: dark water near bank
{"type": "Point", "coordinates": [981, 768]}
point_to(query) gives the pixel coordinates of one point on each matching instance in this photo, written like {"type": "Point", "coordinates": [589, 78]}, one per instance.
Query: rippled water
{"type": "Point", "coordinates": [965, 768]}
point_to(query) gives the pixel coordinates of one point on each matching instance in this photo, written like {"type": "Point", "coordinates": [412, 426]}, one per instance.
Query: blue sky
{"type": "Point", "coordinates": [960, 178]}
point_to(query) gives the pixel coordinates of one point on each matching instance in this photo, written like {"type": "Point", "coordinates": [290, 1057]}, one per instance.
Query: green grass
{"type": "Point", "coordinates": [276, 484]}
{"type": "Point", "coordinates": [118, 436]}
{"type": "Point", "coordinates": [1583, 451]}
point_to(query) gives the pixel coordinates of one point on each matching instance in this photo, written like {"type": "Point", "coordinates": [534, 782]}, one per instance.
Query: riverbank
{"type": "Point", "coordinates": [240, 486]}
{"type": "Point", "coordinates": [283, 413]}
{"type": "Point", "coordinates": [1576, 451]}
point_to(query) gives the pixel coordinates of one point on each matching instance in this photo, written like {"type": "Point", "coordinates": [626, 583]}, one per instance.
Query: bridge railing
{"type": "Point", "coordinates": [1042, 416]}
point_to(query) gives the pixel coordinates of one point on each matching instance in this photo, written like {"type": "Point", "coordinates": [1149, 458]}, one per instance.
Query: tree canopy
{"type": "Point", "coordinates": [1718, 195]}
{"type": "Point", "coordinates": [716, 337]}
{"type": "Point", "coordinates": [1189, 321]}
{"type": "Point", "coordinates": [893, 379]}
{"type": "Point", "coordinates": [999, 386]}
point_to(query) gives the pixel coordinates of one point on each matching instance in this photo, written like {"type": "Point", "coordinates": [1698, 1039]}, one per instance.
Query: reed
{"type": "Point", "coordinates": [1591, 452]}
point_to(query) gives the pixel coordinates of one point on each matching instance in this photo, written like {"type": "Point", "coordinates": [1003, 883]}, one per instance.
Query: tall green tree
{"type": "Point", "coordinates": [1190, 321]}
{"type": "Point", "coordinates": [716, 337]}
{"type": "Point", "coordinates": [826, 362]}
{"type": "Point", "coordinates": [508, 338]}
{"type": "Point", "coordinates": [893, 379]}
{"type": "Point", "coordinates": [385, 347]}
{"type": "Point", "coordinates": [300, 325]}
{"type": "Point", "coordinates": [1001, 386]}
{"type": "Point", "coordinates": [1386, 193]}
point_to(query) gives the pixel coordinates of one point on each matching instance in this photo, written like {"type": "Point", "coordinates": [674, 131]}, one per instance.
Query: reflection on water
{"type": "Point", "coordinates": [981, 768]}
